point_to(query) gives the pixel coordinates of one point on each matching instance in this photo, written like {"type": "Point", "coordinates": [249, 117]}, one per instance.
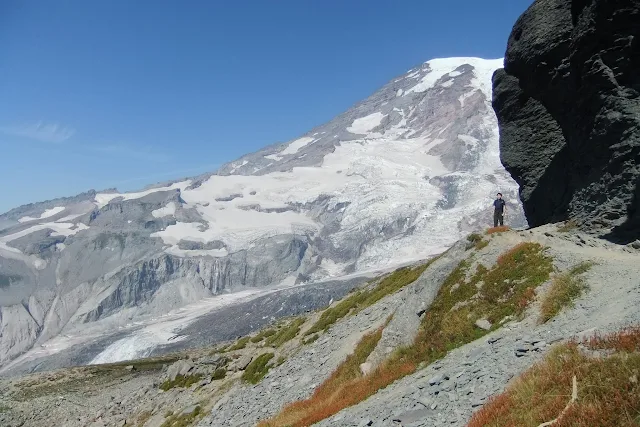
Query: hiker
{"type": "Point", "coordinates": [498, 213]}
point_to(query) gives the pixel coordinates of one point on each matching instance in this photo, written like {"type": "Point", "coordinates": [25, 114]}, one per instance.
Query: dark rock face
{"type": "Point", "coordinates": [568, 105]}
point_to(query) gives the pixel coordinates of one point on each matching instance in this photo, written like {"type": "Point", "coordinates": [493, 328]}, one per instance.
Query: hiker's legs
{"type": "Point", "coordinates": [496, 217]}
{"type": "Point", "coordinates": [501, 219]}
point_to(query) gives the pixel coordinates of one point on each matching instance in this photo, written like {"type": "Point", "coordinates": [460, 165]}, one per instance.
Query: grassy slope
{"type": "Point", "coordinates": [504, 290]}
{"type": "Point", "coordinates": [608, 388]}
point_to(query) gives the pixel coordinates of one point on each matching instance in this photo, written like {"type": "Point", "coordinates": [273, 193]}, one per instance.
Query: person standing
{"type": "Point", "coordinates": [498, 212]}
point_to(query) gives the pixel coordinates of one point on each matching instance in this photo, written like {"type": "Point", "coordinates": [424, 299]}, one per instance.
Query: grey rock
{"type": "Point", "coordinates": [437, 379]}
{"type": "Point", "coordinates": [189, 410]}
{"type": "Point", "coordinates": [483, 324]}
{"type": "Point", "coordinates": [413, 416]}
{"type": "Point", "coordinates": [180, 367]}
{"type": "Point", "coordinates": [563, 106]}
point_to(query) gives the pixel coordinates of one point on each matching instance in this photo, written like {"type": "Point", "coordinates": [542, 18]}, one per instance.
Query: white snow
{"type": "Point", "coordinates": [462, 98]}
{"type": "Point", "coordinates": [454, 74]}
{"type": "Point", "coordinates": [483, 70]}
{"type": "Point", "coordinates": [469, 140]}
{"type": "Point", "coordinates": [102, 199]}
{"type": "Point", "coordinates": [69, 218]}
{"type": "Point", "coordinates": [58, 229]}
{"type": "Point", "coordinates": [237, 166]}
{"type": "Point", "coordinates": [163, 330]}
{"type": "Point", "coordinates": [366, 123]}
{"type": "Point", "coordinates": [273, 157]}
{"type": "Point", "coordinates": [46, 214]}
{"type": "Point", "coordinates": [399, 92]}
{"type": "Point", "coordinates": [448, 83]}
{"type": "Point", "coordinates": [60, 246]}
{"type": "Point", "coordinates": [168, 210]}
{"type": "Point", "coordinates": [296, 145]}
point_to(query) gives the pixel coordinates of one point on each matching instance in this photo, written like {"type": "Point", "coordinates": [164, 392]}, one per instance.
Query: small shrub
{"type": "Point", "coordinates": [4, 408]}
{"type": "Point", "coordinates": [568, 226]}
{"type": "Point", "coordinates": [311, 339]}
{"type": "Point", "coordinates": [626, 340]}
{"type": "Point", "coordinates": [564, 289]}
{"type": "Point", "coordinates": [218, 350]}
{"type": "Point", "coordinates": [280, 360]}
{"type": "Point", "coordinates": [481, 244]}
{"type": "Point", "coordinates": [240, 344]}
{"type": "Point", "coordinates": [219, 374]}
{"type": "Point", "coordinates": [183, 381]}
{"type": "Point", "coordinates": [183, 420]}
{"type": "Point", "coordinates": [257, 369]}
{"type": "Point", "coordinates": [608, 388]}
{"type": "Point", "coordinates": [263, 334]}
{"type": "Point", "coordinates": [285, 334]}
{"type": "Point", "coordinates": [473, 239]}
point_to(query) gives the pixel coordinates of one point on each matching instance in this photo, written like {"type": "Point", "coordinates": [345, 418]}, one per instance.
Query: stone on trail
{"type": "Point", "coordinates": [483, 324]}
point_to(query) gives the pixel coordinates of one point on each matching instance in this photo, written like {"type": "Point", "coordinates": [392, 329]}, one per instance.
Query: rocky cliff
{"type": "Point", "coordinates": [568, 106]}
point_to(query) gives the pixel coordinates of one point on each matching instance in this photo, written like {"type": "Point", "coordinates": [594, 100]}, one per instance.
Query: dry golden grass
{"type": "Point", "coordinates": [500, 229]}
{"type": "Point", "coordinates": [506, 291]}
{"type": "Point", "coordinates": [608, 388]}
{"type": "Point", "coordinates": [329, 397]}
{"type": "Point", "coordinates": [564, 289]}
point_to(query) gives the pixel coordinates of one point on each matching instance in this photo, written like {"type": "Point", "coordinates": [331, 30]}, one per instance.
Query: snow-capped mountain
{"type": "Point", "coordinates": [398, 177]}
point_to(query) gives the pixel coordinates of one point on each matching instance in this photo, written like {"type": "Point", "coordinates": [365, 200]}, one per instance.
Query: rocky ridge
{"type": "Point", "coordinates": [446, 392]}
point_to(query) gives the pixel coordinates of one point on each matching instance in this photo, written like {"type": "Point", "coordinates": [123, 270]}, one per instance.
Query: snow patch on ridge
{"type": "Point", "coordinates": [366, 123]}
{"type": "Point", "coordinates": [296, 145]}
{"type": "Point", "coordinates": [102, 199]}
{"type": "Point", "coordinates": [169, 209]}
{"type": "Point", "coordinates": [46, 214]}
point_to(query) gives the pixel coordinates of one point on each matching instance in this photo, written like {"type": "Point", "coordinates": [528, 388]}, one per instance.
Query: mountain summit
{"type": "Point", "coordinates": [400, 176]}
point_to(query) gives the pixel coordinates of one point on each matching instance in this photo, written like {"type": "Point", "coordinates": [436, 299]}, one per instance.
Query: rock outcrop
{"type": "Point", "coordinates": [568, 106]}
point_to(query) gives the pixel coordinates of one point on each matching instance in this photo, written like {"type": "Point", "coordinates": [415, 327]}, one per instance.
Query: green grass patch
{"type": "Point", "coordinates": [475, 240]}
{"type": "Point", "coordinates": [311, 339]}
{"type": "Point", "coordinates": [280, 360]}
{"type": "Point", "coordinates": [362, 299]}
{"type": "Point", "coordinates": [257, 369]}
{"type": "Point", "coordinates": [287, 333]}
{"type": "Point", "coordinates": [183, 420]}
{"type": "Point", "coordinates": [183, 381]}
{"type": "Point", "coordinates": [219, 374]}
{"type": "Point", "coordinates": [266, 333]}
{"type": "Point", "coordinates": [564, 289]}
{"type": "Point", "coordinates": [4, 408]}
{"type": "Point", "coordinates": [240, 344]}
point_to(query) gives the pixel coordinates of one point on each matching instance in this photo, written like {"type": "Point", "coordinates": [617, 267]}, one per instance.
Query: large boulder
{"type": "Point", "coordinates": [568, 106]}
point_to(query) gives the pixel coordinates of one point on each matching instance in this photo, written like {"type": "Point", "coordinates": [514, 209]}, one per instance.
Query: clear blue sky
{"type": "Point", "coordinates": [124, 93]}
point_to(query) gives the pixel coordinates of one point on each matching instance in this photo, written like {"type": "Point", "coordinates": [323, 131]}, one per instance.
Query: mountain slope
{"type": "Point", "coordinates": [400, 176]}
